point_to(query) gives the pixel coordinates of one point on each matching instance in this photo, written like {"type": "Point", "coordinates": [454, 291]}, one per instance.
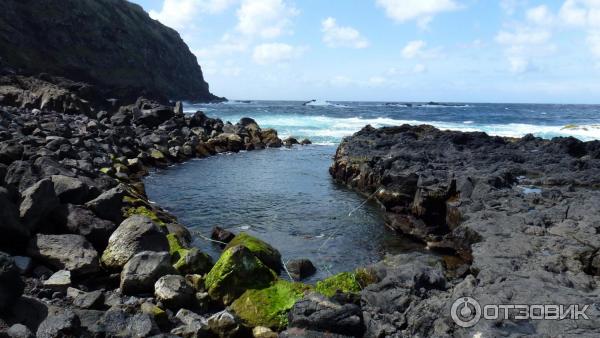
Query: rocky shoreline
{"type": "Point", "coordinates": [85, 254]}
{"type": "Point", "coordinates": [520, 217]}
{"type": "Point", "coordinates": [83, 251]}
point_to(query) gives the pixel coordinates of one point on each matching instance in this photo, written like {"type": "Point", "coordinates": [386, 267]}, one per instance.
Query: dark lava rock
{"type": "Point", "coordinates": [68, 252]}
{"type": "Point", "coordinates": [89, 300]}
{"type": "Point", "coordinates": [118, 323]}
{"type": "Point", "coordinates": [136, 234]}
{"type": "Point", "coordinates": [38, 202]}
{"type": "Point", "coordinates": [301, 268]}
{"type": "Point", "coordinates": [221, 235]}
{"type": "Point", "coordinates": [70, 190]}
{"type": "Point", "coordinates": [63, 323]}
{"type": "Point", "coordinates": [174, 292]}
{"type": "Point", "coordinates": [82, 221]}
{"type": "Point", "coordinates": [143, 270]}
{"type": "Point", "coordinates": [468, 195]}
{"type": "Point", "coordinates": [108, 205]}
{"type": "Point", "coordinates": [11, 285]}
{"type": "Point", "coordinates": [318, 313]}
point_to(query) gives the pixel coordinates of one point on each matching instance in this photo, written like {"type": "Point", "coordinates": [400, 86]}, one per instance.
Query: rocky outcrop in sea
{"type": "Point", "coordinates": [515, 221]}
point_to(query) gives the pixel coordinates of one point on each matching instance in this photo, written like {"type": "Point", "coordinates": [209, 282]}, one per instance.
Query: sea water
{"type": "Point", "coordinates": [286, 196]}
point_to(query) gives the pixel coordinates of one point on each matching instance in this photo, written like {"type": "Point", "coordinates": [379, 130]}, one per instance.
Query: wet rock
{"type": "Point", "coordinates": [63, 323]}
{"type": "Point", "coordinates": [70, 190]}
{"type": "Point", "coordinates": [173, 291]}
{"type": "Point", "coordinates": [262, 250]}
{"type": "Point", "coordinates": [315, 312]}
{"type": "Point", "coordinates": [305, 142]}
{"type": "Point", "coordinates": [136, 234]}
{"type": "Point", "coordinates": [108, 205]}
{"type": "Point", "coordinates": [290, 141]}
{"type": "Point", "coordinates": [236, 271]}
{"type": "Point", "coordinates": [268, 307]}
{"type": "Point", "coordinates": [68, 252]}
{"type": "Point", "coordinates": [38, 202]}
{"type": "Point", "coordinates": [11, 285]}
{"type": "Point", "coordinates": [346, 282]}
{"type": "Point", "coordinates": [301, 268]}
{"type": "Point", "coordinates": [143, 270]}
{"type": "Point", "coordinates": [221, 235]}
{"type": "Point", "coordinates": [270, 139]}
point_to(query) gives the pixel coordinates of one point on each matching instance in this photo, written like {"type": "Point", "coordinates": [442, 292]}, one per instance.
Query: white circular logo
{"type": "Point", "coordinates": [466, 312]}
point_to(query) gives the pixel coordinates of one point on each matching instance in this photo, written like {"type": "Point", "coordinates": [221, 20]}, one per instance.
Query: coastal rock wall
{"type": "Point", "coordinates": [112, 44]}
{"type": "Point", "coordinates": [518, 210]}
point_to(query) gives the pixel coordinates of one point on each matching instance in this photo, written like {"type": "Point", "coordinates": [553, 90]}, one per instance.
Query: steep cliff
{"type": "Point", "coordinates": [112, 44]}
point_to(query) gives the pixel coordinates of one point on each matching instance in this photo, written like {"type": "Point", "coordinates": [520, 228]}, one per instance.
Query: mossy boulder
{"type": "Point", "coordinates": [346, 282]}
{"type": "Point", "coordinates": [188, 260]}
{"type": "Point", "coordinates": [143, 211]}
{"type": "Point", "coordinates": [262, 250]}
{"type": "Point", "coordinates": [236, 271]}
{"type": "Point", "coordinates": [269, 307]}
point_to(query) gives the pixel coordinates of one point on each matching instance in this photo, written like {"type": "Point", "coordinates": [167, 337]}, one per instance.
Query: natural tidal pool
{"type": "Point", "coordinates": [283, 196]}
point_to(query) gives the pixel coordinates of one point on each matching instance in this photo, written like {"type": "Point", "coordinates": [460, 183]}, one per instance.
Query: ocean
{"type": "Point", "coordinates": [286, 196]}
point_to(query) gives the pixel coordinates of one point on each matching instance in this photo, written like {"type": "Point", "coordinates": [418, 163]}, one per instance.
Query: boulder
{"type": "Point", "coordinates": [221, 235]}
{"type": "Point", "coordinates": [345, 282]}
{"type": "Point", "coordinates": [19, 331]}
{"type": "Point", "coordinates": [143, 270]}
{"type": "Point", "coordinates": [65, 252]}
{"type": "Point", "coordinates": [11, 285]}
{"type": "Point", "coordinates": [290, 141]}
{"type": "Point", "coordinates": [270, 139]}
{"type": "Point", "coordinates": [89, 300]}
{"type": "Point", "coordinates": [295, 332]}
{"type": "Point", "coordinates": [70, 190]}
{"type": "Point", "coordinates": [174, 292]}
{"type": "Point", "coordinates": [136, 234]}
{"type": "Point", "coordinates": [10, 224]}
{"type": "Point", "coordinates": [82, 221]}
{"type": "Point", "coordinates": [38, 201]}
{"type": "Point", "coordinates": [305, 142]}
{"type": "Point", "coordinates": [63, 323]}
{"type": "Point", "coordinates": [224, 325]}
{"type": "Point", "coordinates": [269, 307]}
{"type": "Point", "coordinates": [188, 261]}
{"type": "Point", "coordinates": [59, 281]}
{"type": "Point", "coordinates": [262, 250]}
{"type": "Point", "coordinates": [21, 174]}
{"type": "Point", "coordinates": [319, 313]}
{"type": "Point", "coordinates": [159, 315]}
{"type": "Point", "coordinates": [23, 263]}
{"type": "Point", "coordinates": [118, 323]}
{"type": "Point", "coordinates": [194, 325]}
{"type": "Point", "coordinates": [108, 205]}
{"type": "Point", "coordinates": [263, 332]}
{"type": "Point", "coordinates": [236, 271]}
{"type": "Point", "coordinates": [300, 268]}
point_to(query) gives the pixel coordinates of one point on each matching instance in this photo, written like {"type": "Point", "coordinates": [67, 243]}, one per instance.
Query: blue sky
{"type": "Point", "coordinates": [393, 50]}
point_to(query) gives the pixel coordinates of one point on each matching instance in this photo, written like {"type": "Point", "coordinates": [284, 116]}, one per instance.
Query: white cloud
{"type": "Point", "coordinates": [422, 11]}
{"type": "Point", "coordinates": [341, 36]}
{"type": "Point", "coordinates": [510, 6]}
{"type": "Point", "coordinates": [180, 13]}
{"type": "Point", "coordinates": [540, 15]}
{"type": "Point", "coordinates": [274, 53]}
{"type": "Point", "coordinates": [413, 49]}
{"type": "Point", "coordinates": [265, 18]}
{"type": "Point", "coordinates": [593, 41]}
{"type": "Point", "coordinates": [523, 36]}
{"type": "Point", "coordinates": [419, 68]}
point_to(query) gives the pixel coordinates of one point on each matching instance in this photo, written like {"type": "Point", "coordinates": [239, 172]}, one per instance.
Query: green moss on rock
{"type": "Point", "coordinates": [144, 212]}
{"type": "Point", "coordinates": [269, 307]}
{"type": "Point", "coordinates": [262, 250]}
{"type": "Point", "coordinates": [236, 271]}
{"type": "Point", "coordinates": [188, 260]}
{"type": "Point", "coordinates": [346, 282]}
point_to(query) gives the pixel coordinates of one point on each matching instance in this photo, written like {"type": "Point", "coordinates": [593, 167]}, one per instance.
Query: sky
{"type": "Point", "coordinates": [393, 50]}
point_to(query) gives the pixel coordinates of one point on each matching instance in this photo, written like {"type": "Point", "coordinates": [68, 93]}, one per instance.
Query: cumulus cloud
{"type": "Point", "coordinates": [540, 15]}
{"type": "Point", "coordinates": [180, 13]}
{"type": "Point", "coordinates": [265, 18]}
{"type": "Point", "coordinates": [274, 53]}
{"type": "Point", "coordinates": [413, 49]}
{"type": "Point", "coordinates": [341, 36]}
{"type": "Point", "coordinates": [422, 11]}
